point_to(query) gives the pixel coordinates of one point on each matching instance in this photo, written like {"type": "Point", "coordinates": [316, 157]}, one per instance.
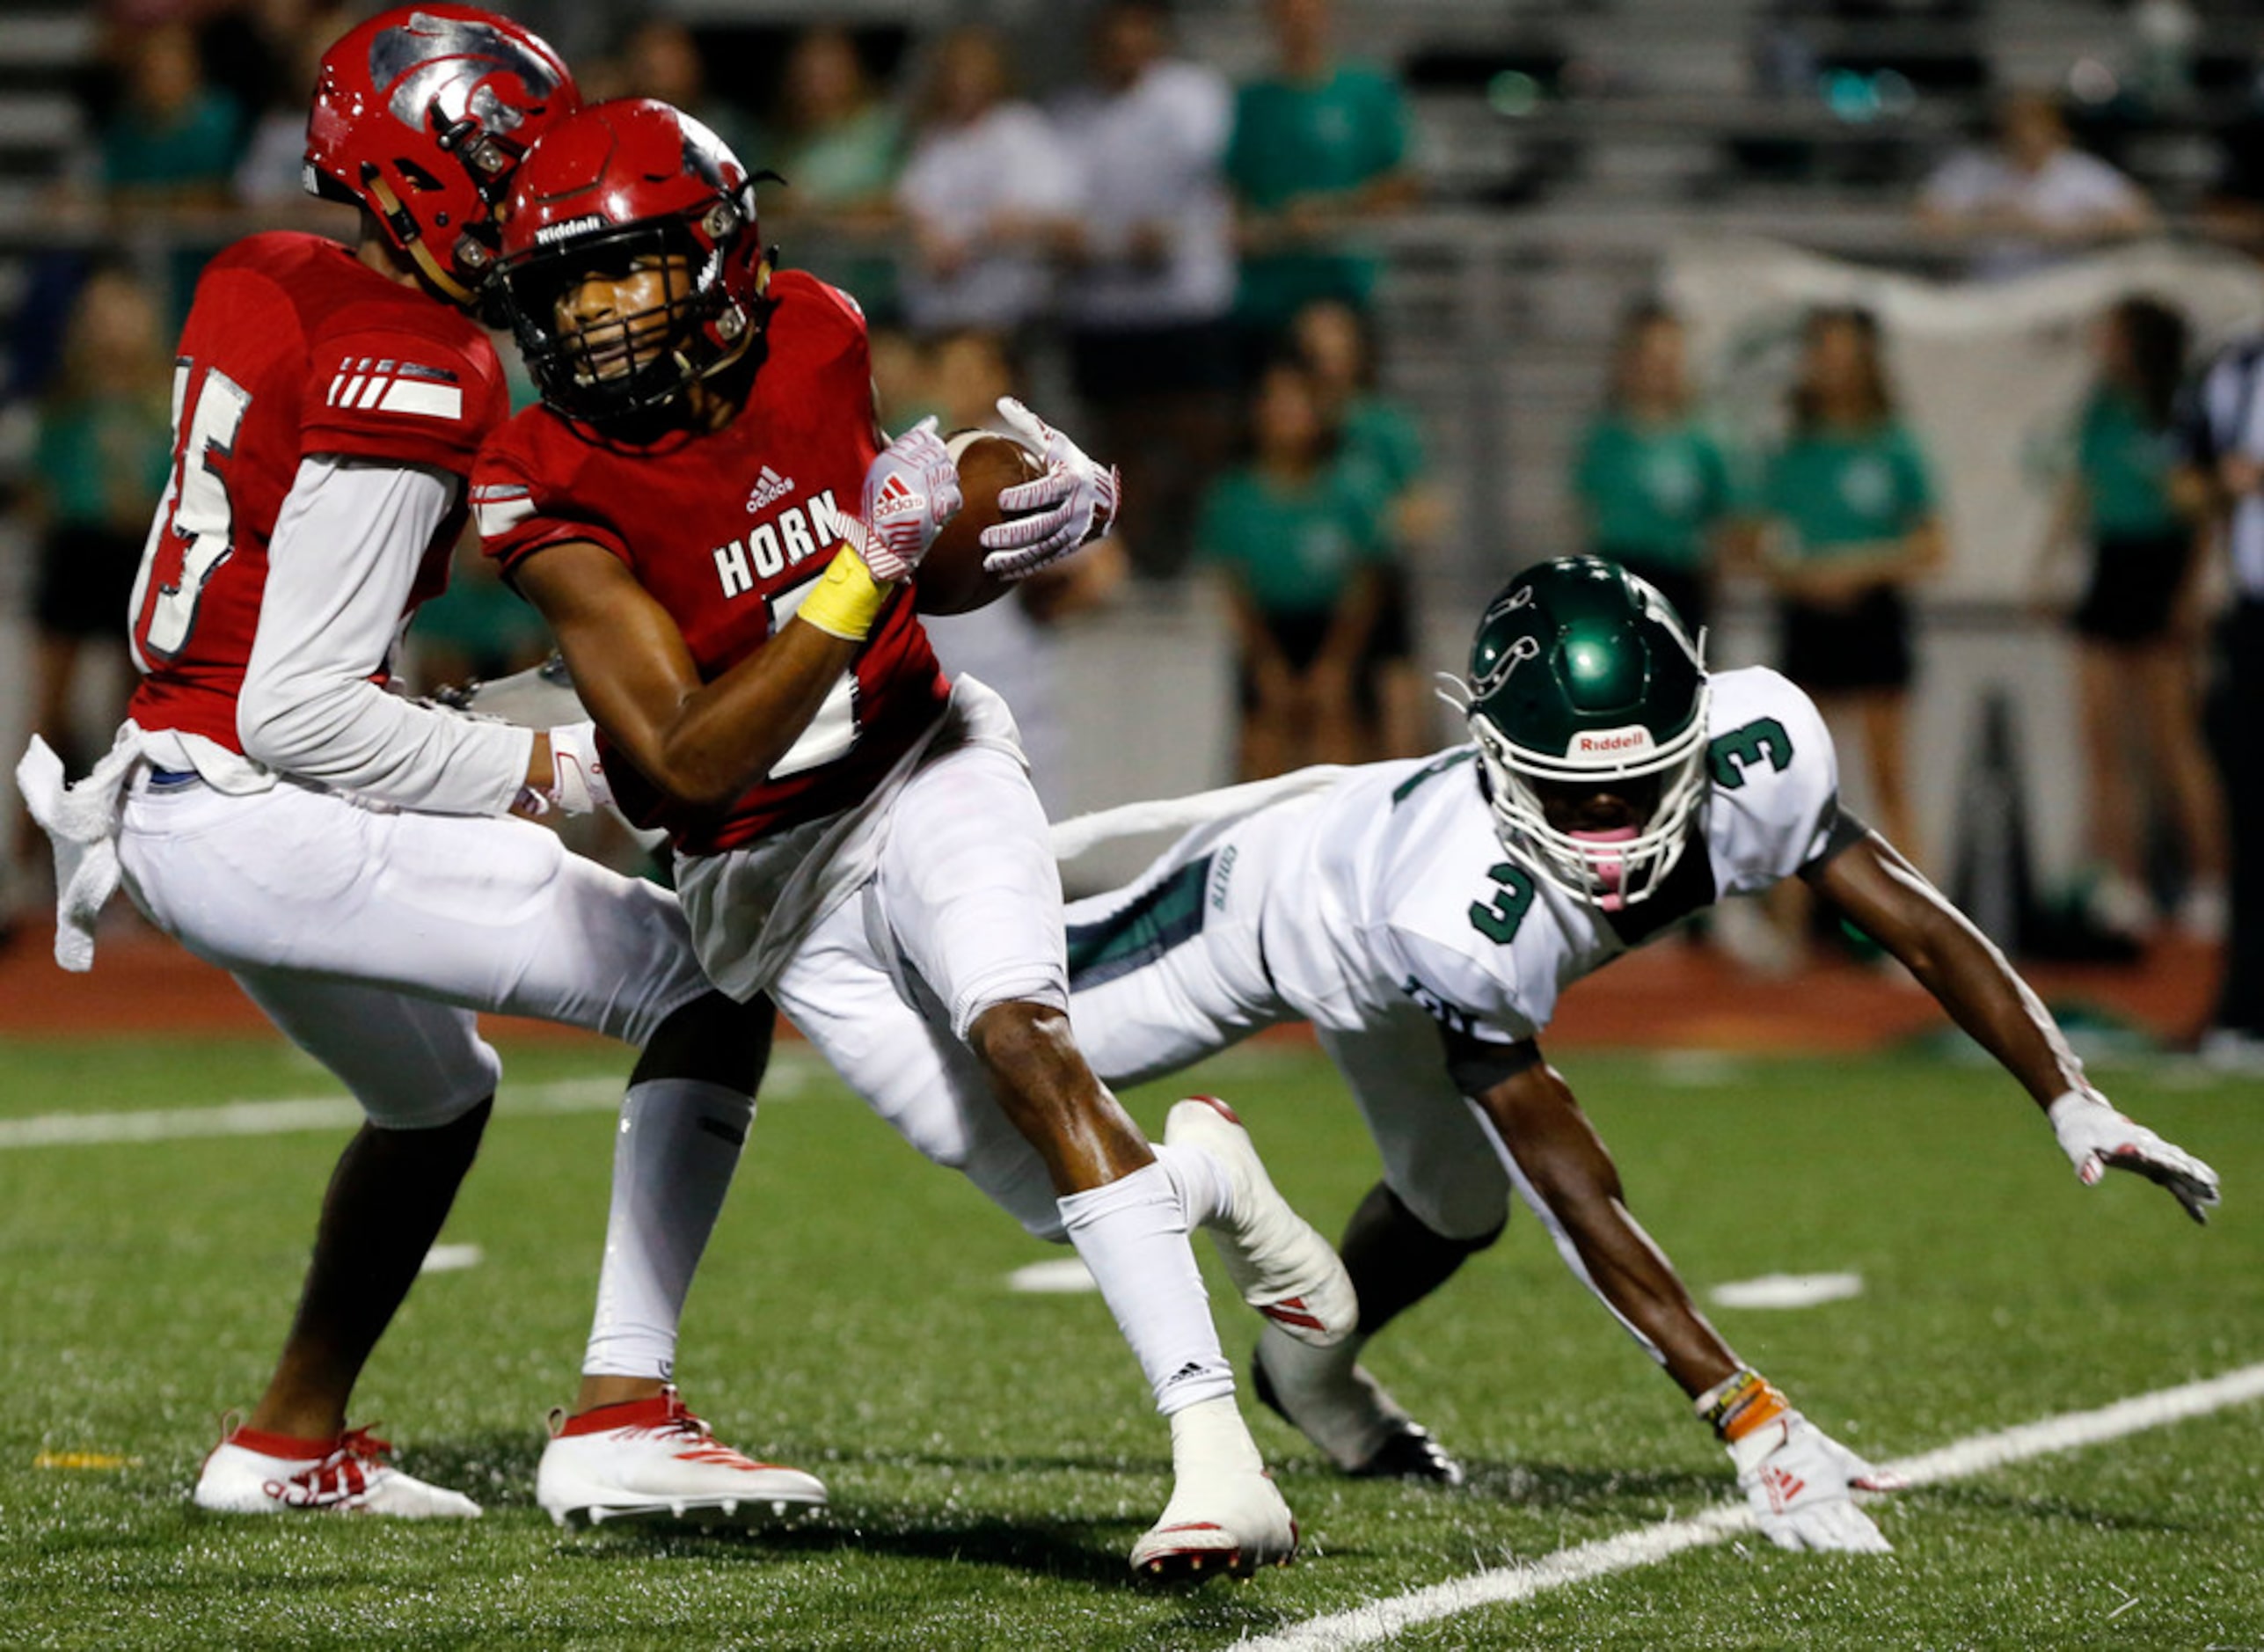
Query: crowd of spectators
{"type": "Point", "coordinates": [1185, 254]}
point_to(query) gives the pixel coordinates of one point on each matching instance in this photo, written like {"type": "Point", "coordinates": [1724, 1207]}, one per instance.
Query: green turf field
{"type": "Point", "coordinates": [991, 1455]}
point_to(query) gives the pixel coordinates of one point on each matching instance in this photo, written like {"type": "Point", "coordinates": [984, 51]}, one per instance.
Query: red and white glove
{"type": "Point", "coordinates": [1799, 1483]}
{"type": "Point", "coordinates": [911, 489]}
{"type": "Point", "coordinates": [2096, 1139]}
{"type": "Point", "coordinates": [1072, 504]}
{"type": "Point", "coordinates": [578, 783]}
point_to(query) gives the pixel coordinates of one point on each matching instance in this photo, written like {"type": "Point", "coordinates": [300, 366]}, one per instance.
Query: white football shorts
{"type": "Point", "coordinates": [961, 912]}
{"type": "Point", "coordinates": [373, 938]}
{"type": "Point", "coordinates": [1170, 969]}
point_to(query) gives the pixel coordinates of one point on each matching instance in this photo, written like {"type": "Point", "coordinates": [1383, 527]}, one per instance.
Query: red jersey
{"type": "Point", "coordinates": [727, 529]}
{"type": "Point", "coordinates": [293, 347]}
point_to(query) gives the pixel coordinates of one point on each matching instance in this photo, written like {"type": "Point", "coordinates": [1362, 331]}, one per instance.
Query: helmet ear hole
{"type": "Point", "coordinates": [721, 222]}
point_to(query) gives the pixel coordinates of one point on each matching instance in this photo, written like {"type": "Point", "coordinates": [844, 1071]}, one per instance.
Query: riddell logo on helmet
{"type": "Point", "coordinates": [551, 232]}
{"type": "Point", "coordinates": [1610, 743]}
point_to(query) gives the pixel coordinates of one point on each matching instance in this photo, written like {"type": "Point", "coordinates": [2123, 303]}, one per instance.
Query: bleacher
{"type": "Point", "coordinates": [1566, 145]}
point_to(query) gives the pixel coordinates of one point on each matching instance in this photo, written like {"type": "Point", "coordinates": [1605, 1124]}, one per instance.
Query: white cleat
{"type": "Point", "coordinates": [1228, 1530]}
{"type": "Point", "coordinates": [1328, 1396]}
{"type": "Point", "coordinates": [648, 1457]}
{"type": "Point", "coordinates": [250, 1473]}
{"type": "Point", "coordinates": [1226, 1516]}
{"type": "Point", "coordinates": [1278, 1260]}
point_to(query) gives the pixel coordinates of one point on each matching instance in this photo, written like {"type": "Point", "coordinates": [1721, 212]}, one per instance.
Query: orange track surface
{"type": "Point", "coordinates": [1671, 996]}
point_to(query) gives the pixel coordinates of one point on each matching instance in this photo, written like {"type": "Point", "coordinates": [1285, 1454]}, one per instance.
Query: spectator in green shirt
{"type": "Point", "coordinates": [169, 150]}
{"type": "Point", "coordinates": [1382, 445]}
{"type": "Point", "coordinates": [1653, 485]}
{"type": "Point", "coordinates": [1855, 526]}
{"type": "Point", "coordinates": [1319, 145]}
{"type": "Point", "coordinates": [1299, 539]}
{"type": "Point", "coordinates": [840, 146]}
{"type": "Point", "coordinates": [2138, 626]}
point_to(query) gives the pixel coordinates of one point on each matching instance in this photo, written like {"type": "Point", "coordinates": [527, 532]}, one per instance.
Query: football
{"type": "Point", "coordinates": [951, 579]}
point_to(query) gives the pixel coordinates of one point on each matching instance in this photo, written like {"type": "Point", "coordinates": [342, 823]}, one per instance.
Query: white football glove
{"type": "Point", "coordinates": [578, 783]}
{"type": "Point", "coordinates": [2096, 1139]}
{"type": "Point", "coordinates": [1073, 502]}
{"type": "Point", "coordinates": [911, 489]}
{"type": "Point", "coordinates": [1799, 1483]}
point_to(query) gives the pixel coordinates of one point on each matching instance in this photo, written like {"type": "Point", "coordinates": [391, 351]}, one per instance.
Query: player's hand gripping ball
{"type": "Point", "coordinates": [953, 577]}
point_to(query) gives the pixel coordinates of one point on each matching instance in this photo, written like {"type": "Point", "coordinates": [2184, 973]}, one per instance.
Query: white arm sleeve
{"type": "Point", "coordinates": [346, 550]}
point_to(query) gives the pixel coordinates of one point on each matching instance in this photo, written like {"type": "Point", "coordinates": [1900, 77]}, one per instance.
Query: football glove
{"type": "Point", "coordinates": [2096, 1139]}
{"type": "Point", "coordinates": [1072, 504]}
{"type": "Point", "coordinates": [578, 783]}
{"type": "Point", "coordinates": [911, 489]}
{"type": "Point", "coordinates": [1800, 1481]}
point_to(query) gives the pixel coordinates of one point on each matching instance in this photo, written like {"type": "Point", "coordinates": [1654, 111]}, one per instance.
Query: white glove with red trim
{"type": "Point", "coordinates": [911, 489]}
{"type": "Point", "coordinates": [1799, 1482]}
{"type": "Point", "coordinates": [1072, 504]}
{"type": "Point", "coordinates": [2096, 1139]}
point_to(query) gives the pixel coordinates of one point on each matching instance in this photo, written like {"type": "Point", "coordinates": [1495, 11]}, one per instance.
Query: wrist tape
{"type": "Point", "coordinates": [1740, 1403]}
{"type": "Point", "coordinates": [846, 599]}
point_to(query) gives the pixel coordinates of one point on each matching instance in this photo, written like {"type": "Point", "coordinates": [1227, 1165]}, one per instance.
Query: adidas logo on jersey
{"type": "Point", "coordinates": [769, 488]}
{"type": "Point", "coordinates": [401, 387]}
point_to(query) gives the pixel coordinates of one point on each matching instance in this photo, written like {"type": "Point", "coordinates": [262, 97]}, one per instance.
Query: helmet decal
{"type": "Point", "coordinates": [450, 63]}
{"type": "Point", "coordinates": [1520, 650]}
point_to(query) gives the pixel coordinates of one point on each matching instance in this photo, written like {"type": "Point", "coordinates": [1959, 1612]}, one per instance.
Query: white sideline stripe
{"type": "Point", "coordinates": [789, 1077]}
{"type": "Point", "coordinates": [1062, 1277]}
{"type": "Point", "coordinates": [452, 1259]}
{"type": "Point", "coordinates": [271, 1118]}
{"type": "Point", "coordinates": [1381, 1619]}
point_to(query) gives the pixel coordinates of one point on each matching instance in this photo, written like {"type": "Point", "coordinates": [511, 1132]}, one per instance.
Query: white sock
{"type": "Point", "coordinates": [673, 1161]}
{"type": "Point", "coordinates": [1133, 1235]}
{"type": "Point", "coordinates": [1205, 1195]}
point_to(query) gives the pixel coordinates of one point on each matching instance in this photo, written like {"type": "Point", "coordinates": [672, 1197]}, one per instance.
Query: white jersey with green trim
{"type": "Point", "coordinates": [1393, 885]}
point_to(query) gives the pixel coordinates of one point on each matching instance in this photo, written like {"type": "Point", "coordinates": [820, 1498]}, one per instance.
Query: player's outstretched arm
{"type": "Point", "coordinates": [1893, 903]}
{"type": "Point", "coordinates": [1564, 1171]}
{"type": "Point", "coordinates": [702, 743]}
{"type": "Point", "coordinates": [1797, 1480]}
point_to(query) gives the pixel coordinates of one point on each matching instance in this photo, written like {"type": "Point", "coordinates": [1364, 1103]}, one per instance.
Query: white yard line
{"type": "Point", "coordinates": [786, 1078]}
{"type": "Point", "coordinates": [1363, 1625]}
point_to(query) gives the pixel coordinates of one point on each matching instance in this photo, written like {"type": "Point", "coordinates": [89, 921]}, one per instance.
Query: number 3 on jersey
{"type": "Point", "coordinates": [193, 533]}
{"type": "Point", "coordinates": [1513, 898]}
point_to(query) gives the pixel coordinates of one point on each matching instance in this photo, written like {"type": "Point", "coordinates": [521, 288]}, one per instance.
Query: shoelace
{"type": "Point", "coordinates": [340, 1477]}
{"type": "Point", "coordinates": [700, 1445]}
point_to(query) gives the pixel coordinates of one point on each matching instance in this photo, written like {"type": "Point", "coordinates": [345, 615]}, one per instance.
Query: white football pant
{"type": "Point", "coordinates": [373, 939]}
{"type": "Point", "coordinates": [1171, 969]}
{"type": "Point", "coordinates": [963, 913]}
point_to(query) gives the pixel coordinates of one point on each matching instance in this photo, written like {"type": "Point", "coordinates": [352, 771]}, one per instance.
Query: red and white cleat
{"type": "Point", "coordinates": [1217, 1526]}
{"type": "Point", "coordinates": [1278, 1260]}
{"type": "Point", "coordinates": [252, 1472]}
{"type": "Point", "coordinates": [647, 1457]}
{"type": "Point", "coordinates": [1226, 1516]}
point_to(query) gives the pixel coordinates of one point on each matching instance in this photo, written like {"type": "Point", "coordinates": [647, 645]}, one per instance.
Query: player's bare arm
{"type": "Point", "coordinates": [703, 743]}
{"type": "Point", "coordinates": [1891, 900]}
{"type": "Point", "coordinates": [1567, 1166]}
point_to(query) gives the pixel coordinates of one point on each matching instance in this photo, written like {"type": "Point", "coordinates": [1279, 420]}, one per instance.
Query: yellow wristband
{"type": "Point", "coordinates": [847, 599]}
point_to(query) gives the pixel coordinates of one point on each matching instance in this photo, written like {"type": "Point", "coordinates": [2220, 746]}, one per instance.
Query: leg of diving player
{"type": "Point", "coordinates": [1443, 1198]}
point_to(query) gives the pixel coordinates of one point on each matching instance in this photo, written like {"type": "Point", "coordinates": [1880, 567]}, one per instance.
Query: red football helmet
{"type": "Point", "coordinates": [629, 185]}
{"type": "Point", "coordinates": [422, 114]}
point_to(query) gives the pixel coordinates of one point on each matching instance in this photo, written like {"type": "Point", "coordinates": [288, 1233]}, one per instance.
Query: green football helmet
{"type": "Point", "coordinates": [1581, 672]}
